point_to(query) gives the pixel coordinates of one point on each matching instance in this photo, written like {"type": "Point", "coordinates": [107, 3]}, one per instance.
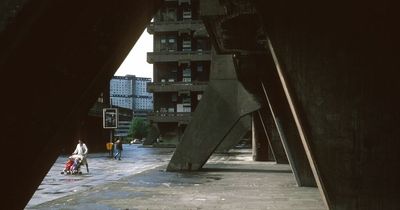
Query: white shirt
{"type": "Point", "coordinates": [81, 149]}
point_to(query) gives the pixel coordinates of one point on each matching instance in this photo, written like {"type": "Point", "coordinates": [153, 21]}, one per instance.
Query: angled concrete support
{"type": "Point", "coordinates": [272, 133]}
{"type": "Point", "coordinates": [260, 142]}
{"type": "Point", "coordinates": [236, 134]}
{"type": "Point", "coordinates": [340, 73]}
{"type": "Point", "coordinates": [215, 116]}
{"type": "Point", "coordinates": [254, 67]}
{"type": "Point", "coordinates": [62, 55]}
{"type": "Point", "coordinates": [266, 85]}
{"type": "Point", "coordinates": [288, 132]}
{"type": "Point", "coordinates": [224, 103]}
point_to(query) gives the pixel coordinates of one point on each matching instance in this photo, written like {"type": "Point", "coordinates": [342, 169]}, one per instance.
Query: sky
{"type": "Point", "coordinates": [135, 63]}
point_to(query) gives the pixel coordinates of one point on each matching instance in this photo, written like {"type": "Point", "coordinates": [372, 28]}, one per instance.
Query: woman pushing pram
{"type": "Point", "coordinates": [78, 158]}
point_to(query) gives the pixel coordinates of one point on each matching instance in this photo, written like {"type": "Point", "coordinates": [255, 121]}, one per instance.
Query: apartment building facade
{"type": "Point", "coordinates": [181, 67]}
{"type": "Point", "coordinates": [130, 92]}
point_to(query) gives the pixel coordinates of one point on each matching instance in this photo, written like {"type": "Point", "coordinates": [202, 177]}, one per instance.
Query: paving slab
{"type": "Point", "coordinates": [228, 181]}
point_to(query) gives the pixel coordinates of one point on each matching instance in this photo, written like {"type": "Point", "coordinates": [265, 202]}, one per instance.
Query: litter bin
{"type": "Point", "coordinates": [109, 146]}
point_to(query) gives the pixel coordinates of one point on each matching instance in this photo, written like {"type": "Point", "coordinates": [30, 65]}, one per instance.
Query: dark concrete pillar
{"type": "Point", "coordinates": [339, 64]}
{"type": "Point", "coordinates": [253, 67]}
{"type": "Point", "coordinates": [55, 59]}
{"type": "Point", "coordinates": [259, 139]}
{"type": "Point", "coordinates": [287, 130]}
{"type": "Point", "coordinates": [270, 92]}
{"type": "Point", "coordinates": [272, 133]}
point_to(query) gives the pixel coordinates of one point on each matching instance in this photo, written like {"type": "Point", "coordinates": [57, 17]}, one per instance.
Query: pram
{"type": "Point", "coordinates": [73, 165]}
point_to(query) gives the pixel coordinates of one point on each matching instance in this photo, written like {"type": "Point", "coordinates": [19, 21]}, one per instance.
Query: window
{"type": "Point", "coordinates": [186, 75]}
{"type": "Point", "coordinates": [167, 43]}
{"type": "Point", "coordinates": [200, 68]}
{"type": "Point", "coordinates": [186, 45]}
{"type": "Point", "coordinates": [187, 13]}
{"type": "Point", "coordinates": [171, 46]}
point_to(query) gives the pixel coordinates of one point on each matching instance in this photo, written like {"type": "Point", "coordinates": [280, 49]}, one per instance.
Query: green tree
{"type": "Point", "coordinates": [138, 129]}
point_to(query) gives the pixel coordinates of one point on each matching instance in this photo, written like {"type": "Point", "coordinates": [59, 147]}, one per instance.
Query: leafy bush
{"type": "Point", "coordinates": [138, 129]}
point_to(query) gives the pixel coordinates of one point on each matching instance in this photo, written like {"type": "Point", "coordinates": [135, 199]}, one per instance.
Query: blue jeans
{"type": "Point", "coordinates": [118, 154]}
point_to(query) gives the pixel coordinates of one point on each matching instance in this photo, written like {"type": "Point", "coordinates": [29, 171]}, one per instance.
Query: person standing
{"type": "Point", "coordinates": [82, 150]}
{"type": "Point", "coordinates": [118, 147]}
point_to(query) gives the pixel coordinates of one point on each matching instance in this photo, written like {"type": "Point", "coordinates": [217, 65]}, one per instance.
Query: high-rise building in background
{"type": "Point", "coordinates": [181, 67]}
{"type": "Point", "coordinates": [130, 92]}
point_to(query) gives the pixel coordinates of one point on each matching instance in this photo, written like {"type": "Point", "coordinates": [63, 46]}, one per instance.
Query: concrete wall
{"type": "Point", "coordinates": [338, 62]}
{"type": "Point", "coordinates": [64, 53]}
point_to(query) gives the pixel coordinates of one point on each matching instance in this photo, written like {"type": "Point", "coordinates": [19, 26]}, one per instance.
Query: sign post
{"type": "Point", "coordinates": [110, 118]}
{"type": "Point", "coordinates": [110, 121]}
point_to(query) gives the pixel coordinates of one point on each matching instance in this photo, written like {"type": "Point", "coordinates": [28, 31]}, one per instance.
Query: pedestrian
{"type": "Point", "coordinates": [81, 150]}
{"type": "Point", "coordinates": [118, 147]}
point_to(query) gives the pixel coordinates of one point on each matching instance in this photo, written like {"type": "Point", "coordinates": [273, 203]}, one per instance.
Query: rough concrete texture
{"type": "Point", "coordinates": [236, 134]}
{"type": "Point", "coordinates": [222, 67]}
{"type": "Point", "coordinates": [226, 182]}
{"type": "Point", "coordinates": [274, 139]}
{"type": "Point", "coordinates": [223, 104]}
{"type": "Point", "coordinates": [215, 116]}
{"type": "Point", "coordinates": [253, 66]}
{"type": "Point", "coordinates": [64, 56]}
{"type": "Point", "coordinates": [341, 72]}
{"type": "Point", "coordinates": [267, 86]}
{"type": "Point", "coordinates": [260, 142]}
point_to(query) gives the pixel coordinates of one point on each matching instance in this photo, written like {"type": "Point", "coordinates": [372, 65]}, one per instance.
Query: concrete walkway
{"type": "Point", "coordinates": [227, 182]}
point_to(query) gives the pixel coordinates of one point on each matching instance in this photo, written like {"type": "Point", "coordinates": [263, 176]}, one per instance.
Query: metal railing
{"type": "Point", "coordinates": [164, 26]}
{"type": "Point", "coordinates": [176, 86]}
{"type": "Point", "coordinates": [178, 55]}
{"type": "Point", "coordinates": [180, 117]}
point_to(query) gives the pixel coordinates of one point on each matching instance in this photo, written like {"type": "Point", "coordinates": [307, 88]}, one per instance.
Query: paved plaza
{"type": "Point", "coordinates": [140, 181]}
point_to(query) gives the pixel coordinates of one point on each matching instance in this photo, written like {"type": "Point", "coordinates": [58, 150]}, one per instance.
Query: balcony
{"type": "Point", "coordinates": [176, 86]}
{"type": "Point", "coordinates": [154, 57]}
{"type": "Point", "coordinates": [179, 117]}
{"type": "Point", "coordinates": [180, 26]}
